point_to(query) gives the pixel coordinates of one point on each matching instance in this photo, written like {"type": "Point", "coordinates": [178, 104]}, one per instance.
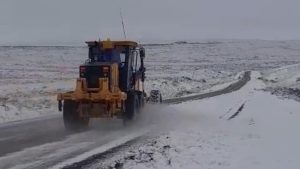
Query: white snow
{"type": "Point", "coordinates": [262, 136]}
{"type": "Point", "coordinates": [287, 76]}
{"type": "Point", "coordinates": [284, 81]}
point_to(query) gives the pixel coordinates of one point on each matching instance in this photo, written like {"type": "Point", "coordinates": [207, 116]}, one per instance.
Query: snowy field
{"type": "Point", "coordinates": [32, 76]}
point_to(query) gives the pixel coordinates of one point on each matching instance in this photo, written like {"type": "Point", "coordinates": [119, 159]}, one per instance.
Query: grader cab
{"type": "Point", "coordinates": [110, 84]}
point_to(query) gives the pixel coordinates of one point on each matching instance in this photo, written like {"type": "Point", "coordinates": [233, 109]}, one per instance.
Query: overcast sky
{"type": "Point", "coordinates": [73, 21]}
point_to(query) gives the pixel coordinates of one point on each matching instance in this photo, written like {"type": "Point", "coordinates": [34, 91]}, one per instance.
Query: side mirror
{"type": "Point", "coordinates": [142, 52]}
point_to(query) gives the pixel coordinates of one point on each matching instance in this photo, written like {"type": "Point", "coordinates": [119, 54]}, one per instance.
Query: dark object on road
{"type": "Point", "coordinates": [237, 112]}
{"type": "Point", "coordinates": [155, 97]}
{"type": "Point", "coordinates": [110, 84]}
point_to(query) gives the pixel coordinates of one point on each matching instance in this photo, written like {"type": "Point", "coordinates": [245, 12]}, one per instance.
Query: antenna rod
{"type": "Point", "coordinates": [123, 26]}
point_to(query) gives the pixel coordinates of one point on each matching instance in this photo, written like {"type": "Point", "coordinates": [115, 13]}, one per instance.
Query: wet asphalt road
{"type": "Point", "coordinates": [16, 136]}
{"type": "Point", "coordinates": [44, 142]}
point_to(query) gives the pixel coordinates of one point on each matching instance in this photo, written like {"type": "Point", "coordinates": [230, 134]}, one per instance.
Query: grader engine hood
{"type": "Point", "coordinates": [92, 73]}
{"type": "Point", "coordinates": [97, 83]}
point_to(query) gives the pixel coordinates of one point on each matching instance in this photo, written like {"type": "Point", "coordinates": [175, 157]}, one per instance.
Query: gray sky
{"type": "Point", "coordinates": [73, 21]}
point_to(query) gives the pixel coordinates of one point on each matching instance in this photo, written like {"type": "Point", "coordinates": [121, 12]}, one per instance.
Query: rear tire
{"type": "Point", "coordinates": [72, 120]}
{"type": "Point", "coordinates": [132, 107]}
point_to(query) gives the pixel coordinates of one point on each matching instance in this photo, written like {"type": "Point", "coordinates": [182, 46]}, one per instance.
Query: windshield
{"type": "Point", "coordinates": [107, 55]}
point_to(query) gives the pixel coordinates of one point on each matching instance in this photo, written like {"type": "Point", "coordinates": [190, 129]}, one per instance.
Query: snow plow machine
{"type": "Point", "coordinates": [110, 85]}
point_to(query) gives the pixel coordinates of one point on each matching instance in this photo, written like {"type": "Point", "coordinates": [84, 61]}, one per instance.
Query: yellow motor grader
{"type": "Point", "coordinates": [110, 84]}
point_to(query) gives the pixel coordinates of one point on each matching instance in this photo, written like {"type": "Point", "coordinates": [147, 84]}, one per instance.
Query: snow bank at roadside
{"type": "Point", "coordinates": [287, 76]}
{"type": "Point", "coordinates": [284, 81]}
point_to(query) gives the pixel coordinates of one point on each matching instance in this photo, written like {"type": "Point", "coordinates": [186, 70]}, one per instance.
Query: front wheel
{"type": "Point", "coordinates": [72, 120]}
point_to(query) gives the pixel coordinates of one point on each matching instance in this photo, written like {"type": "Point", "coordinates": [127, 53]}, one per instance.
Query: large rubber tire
{"type": "Point", "coordinates": [72, 120]}
{"type": "Point", "coordinates": [131, 107]}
